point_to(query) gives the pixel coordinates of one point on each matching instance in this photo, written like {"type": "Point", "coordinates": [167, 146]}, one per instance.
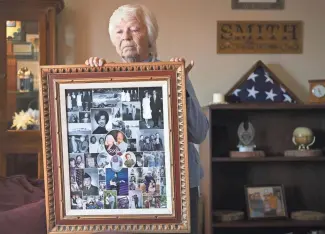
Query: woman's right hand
{"type": "Point", "coordinates": [95, 62]}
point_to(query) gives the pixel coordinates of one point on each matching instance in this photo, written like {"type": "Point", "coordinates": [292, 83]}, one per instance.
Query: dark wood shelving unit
{"type": "Point", "coordinates": [224, 179]}
{"type": "Point", "coordinates": [269, 159]}
{"type": "Point", "coordinates": [270, 224]}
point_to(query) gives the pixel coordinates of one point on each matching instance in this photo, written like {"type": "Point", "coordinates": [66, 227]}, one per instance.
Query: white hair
{"type": "Point", "coordinates": [142, 14]}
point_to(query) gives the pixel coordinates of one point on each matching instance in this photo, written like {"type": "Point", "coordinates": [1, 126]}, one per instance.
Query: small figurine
{"type": "Point", "coordinates": [246, 137]}
{"type": "Point", "coordinates": [303, 137]}
{"type": "Point", "coordinates": [25, 77]}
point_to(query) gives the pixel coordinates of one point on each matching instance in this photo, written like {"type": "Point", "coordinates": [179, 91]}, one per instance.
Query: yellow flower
{"type": "Point", "coordinates": [22, 120]}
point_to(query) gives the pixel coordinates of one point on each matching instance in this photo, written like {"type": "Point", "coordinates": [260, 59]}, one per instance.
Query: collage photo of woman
{"type": "Point", "coordinates": [116, 148]}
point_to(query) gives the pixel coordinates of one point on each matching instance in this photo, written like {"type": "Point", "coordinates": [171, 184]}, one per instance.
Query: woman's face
{"type": "Point", "coordinates": [131, 40]}
{"type": "Point", "coordinates": [146, 94]}
{"type": "Point", "coordinates": [102, 121]}
{"type": "Point", "coordinates": [109, 141]}
{"type": "Point", "coordinates": [72, 163]}
{"type": "Point", "coordinates": [93, 139]}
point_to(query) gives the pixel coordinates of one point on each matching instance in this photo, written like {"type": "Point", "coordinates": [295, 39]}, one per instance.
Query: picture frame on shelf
{"type": "Point", "coordinates": [265, 202]}
{"type": "Point", "coordinates": [115, 143]}
{"type": "Point", "coordinates": [11, 23]}
{"type": "Point", "coordinates": [257, 4]}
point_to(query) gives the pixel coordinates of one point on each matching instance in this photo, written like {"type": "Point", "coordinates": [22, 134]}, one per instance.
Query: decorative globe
{"type": "Point", "coordinates": [303, 136]}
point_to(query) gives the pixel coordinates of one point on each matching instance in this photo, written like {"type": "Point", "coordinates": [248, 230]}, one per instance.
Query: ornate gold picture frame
{"type": "Point", "coordinates": [115, 148]}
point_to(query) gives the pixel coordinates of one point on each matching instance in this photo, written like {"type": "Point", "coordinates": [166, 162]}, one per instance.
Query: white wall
{"type": "Point", "coordinates": [188, 28]}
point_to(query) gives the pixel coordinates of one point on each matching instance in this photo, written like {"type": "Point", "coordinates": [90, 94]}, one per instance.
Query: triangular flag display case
{"type": "Point", "coordinates": [260, 85]}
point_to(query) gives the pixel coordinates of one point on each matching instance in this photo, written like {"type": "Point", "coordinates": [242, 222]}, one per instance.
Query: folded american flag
{"type": "Point", "coordinates": [261, 85]}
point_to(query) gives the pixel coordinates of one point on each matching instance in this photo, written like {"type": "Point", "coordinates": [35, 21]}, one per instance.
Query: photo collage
{"type": "Point", "coordinates": [116, 148]}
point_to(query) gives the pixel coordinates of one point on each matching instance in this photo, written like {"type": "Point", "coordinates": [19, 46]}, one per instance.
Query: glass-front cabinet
{"type": "Point", "coordinates": [23, 62]}
{"type": "Point", "coordinates": [27, 41]}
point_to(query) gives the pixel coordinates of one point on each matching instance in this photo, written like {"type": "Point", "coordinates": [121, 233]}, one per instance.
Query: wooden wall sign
{"type": "Point", "coordinates": [257, 5]}
{"type": "Point", "coordinates": [259, 37]}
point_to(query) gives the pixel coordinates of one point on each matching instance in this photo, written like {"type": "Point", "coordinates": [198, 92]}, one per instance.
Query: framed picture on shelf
{"type": "Point", "coordinates": [10, 23]}
{"type": "Point", "coordinates": [266, 202]}
{"type": "Point", "coordinates": [115, 144]}
{"type": "Point", "coordinates": [34, 40]}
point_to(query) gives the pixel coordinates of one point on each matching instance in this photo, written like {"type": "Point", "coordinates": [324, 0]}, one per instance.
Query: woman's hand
{"type": "Point", "coordinates": [179, 59]}
{"type": "Point", "coordinates": [95, 62]}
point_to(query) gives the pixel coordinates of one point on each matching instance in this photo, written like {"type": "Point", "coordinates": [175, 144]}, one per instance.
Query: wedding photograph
{"type": "Point", "coordinates": [151, 108]}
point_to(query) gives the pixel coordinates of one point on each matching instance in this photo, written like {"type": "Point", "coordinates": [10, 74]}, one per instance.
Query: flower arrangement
{"type": "Point", "coordinates": [26, 120]}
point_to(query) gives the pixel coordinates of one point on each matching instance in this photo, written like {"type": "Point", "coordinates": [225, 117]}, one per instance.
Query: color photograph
{"type": "Point", "coordinates": [266, 202]}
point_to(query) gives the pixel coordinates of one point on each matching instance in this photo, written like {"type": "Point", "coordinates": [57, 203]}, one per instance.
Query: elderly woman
{"type": "Point", "coordinates": [133, 30]}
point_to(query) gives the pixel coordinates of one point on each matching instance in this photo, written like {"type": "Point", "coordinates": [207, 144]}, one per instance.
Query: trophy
{"type": "Point", "coordinates": [303, 138]}
{"type": "Point", "coordinates": [246, 145]}
{"type": "Point", "coordinates": [246, 137]}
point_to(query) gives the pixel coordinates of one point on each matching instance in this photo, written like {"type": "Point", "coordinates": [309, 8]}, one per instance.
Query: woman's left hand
{"type": "Point", "coordinates": [179, 59]}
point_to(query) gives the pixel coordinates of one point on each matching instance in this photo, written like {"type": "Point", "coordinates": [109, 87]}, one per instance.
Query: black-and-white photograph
{"type": "Point", "coordinates": [84, 117]}
{"type": "Point", "coordinates": [103, 98]}
{"type": "Point", "coordinates": [79, 100]}
{"type": "Point", "coordinates": [76, 200]}
{"type": "Point", "coordinates": [130, 128]}
{"type": "Point", "coordinates": [73, 117]}
{"type": "Point", "coordinates": [132, 145]}
{"type": "Point", "coordinates": [103, 120]}
{"type": "Point", "coordinates": [139, 159]}
{"type": "Point", "coordinates": [151, 140]}
{"type": "Point", "coordinates": [79, 128]}
{"type": "Point", "coordinates": [131, 111]}
{"type": "Point", "coordinates": [90, 182]}
{"type": "Point", "coordinates": [152, 115]}
{"type": "Point", "coordinates": [91, 160]}
{"type": "Point", "coordinates": [77, 161]}
{"type": "Point", "coordinates": [78, 144]}
{"type": "Point", "coordinates": [97, 143]}
{"type": "Point", "coordinates": [130, 95]}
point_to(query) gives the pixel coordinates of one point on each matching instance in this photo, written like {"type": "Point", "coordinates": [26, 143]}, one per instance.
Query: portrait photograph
{"type": "Point", "coordinates": [265, 202]}
{"type": "Point", "coordinates": [112, 152]}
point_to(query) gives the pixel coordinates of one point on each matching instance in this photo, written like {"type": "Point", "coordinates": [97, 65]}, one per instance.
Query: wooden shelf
{"type": "Point", "coordinates": [31, 94]}
{"type": "Point", "coordinates": [265, 106]}
{"type": "Point", "coordinates": [270, 159]}
{"type": "Point", "coordinates": [30, 141]}
{"type": "Point", "coordinates": [270, 224]}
